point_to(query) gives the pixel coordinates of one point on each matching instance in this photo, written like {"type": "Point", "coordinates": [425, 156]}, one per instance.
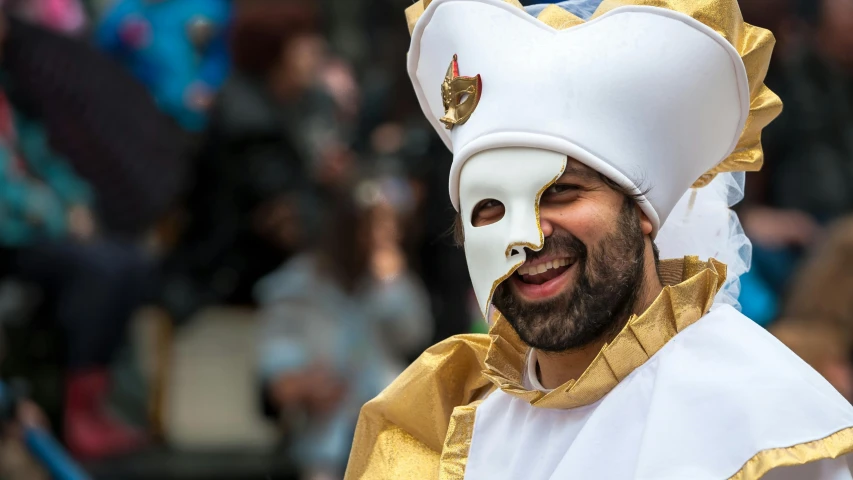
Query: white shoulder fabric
{"type": "Point", "coordinates": [717, 394]}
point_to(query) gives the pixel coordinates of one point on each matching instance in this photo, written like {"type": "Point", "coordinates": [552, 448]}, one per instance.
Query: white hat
{"type": "Point", "coordinates": [648, 96]}
{"type": "Point", "coordinates": [658, 95]}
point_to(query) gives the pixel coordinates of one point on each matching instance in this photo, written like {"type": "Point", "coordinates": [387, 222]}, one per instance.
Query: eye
{"type": "Point", "coordinates": [560, 191]}
{"type": "Point", "coordinates": [487, 212]}
{"type": "Point", "coordinates": [559, 188]}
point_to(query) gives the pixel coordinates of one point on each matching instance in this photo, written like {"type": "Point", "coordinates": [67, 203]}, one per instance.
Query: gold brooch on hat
{"type": "Point", "coordinates": [460, 95]}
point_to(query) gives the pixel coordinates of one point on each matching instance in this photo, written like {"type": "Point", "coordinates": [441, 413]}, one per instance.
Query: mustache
{"type": "Point", "coordinates": [560, 244]}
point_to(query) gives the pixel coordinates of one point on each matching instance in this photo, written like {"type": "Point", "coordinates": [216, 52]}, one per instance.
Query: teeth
{"type": "Point", "coordinates": [543, 267]}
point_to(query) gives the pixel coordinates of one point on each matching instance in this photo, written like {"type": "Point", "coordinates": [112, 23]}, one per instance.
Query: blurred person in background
{"type": "Point", "coordinates": [50, 236]}
{"type": "Point", "coordinates": [806, 183]}
{"type": "Point", "coordinates": [288, 82]}
{"type": "Point", "coordinates": [177, 48]}
{"type": "Point", "coordinates": [274, 140]}
{"type": "Point", "coordinates": [393, 130]}
{"type": "Point", "coordinates": [339, 323]}
{"type": "Point", "coordinates": [102, 120]}
{"type": "Point", "coordinates": [821, 289]}
{"type": "Point", "coordinates": [390, 125]}
{"type": "Point", "coordinates": [403, 146]}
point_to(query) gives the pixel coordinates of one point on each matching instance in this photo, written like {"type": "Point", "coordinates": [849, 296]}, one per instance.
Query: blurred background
{"type": "Point", "coordinates": [224, 226]}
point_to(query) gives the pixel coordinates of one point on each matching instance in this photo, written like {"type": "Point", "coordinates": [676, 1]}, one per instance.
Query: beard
{"type": "Point", "coordinates": [608, 283]}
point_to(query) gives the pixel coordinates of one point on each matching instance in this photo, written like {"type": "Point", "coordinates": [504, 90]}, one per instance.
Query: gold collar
{"type": "Point", "coordinates": [690, 287]}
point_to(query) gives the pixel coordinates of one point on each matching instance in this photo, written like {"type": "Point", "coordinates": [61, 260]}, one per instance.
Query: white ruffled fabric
{"type": "Point", "coordinates": [703, 224]}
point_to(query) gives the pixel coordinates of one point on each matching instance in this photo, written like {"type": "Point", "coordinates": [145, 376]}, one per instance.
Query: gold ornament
{"type": "Point", "coordinates": [460, 95]}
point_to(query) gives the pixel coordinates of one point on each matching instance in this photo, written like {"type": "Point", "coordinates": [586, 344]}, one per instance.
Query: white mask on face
{"type": "Point", "coordinates": [516, 177]}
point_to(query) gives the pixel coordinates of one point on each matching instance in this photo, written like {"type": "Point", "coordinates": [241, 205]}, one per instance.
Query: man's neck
{"type": "Point", "coordinates": [555, 369]}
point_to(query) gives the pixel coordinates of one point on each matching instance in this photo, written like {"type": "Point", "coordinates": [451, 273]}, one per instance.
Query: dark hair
{"type": "Point", "coordinates": [263, 29]}
{"type": "Point", "coordinates": [342, 240]}
{"type": "Point", "coordinates": [458, 230]}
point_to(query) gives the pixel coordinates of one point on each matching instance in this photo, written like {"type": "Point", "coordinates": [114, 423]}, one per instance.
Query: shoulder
{"type": "Point", "coordinates": [727, 382]}
{"type": "Point", "coordinates": [727, 356]}
{"type": "Point", "coordinates": [726, 341]}
{"type": "Point", "coordinates": [446, 375]}
{"type": "Point", "coordinates": [401, 432]}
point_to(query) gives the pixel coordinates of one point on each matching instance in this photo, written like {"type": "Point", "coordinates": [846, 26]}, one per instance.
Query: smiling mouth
{"type": "Point", "coordinates": [538, 274]}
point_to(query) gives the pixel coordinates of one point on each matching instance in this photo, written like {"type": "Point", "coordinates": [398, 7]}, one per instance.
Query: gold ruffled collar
{"type": "Point", "coordinates": [690, 287]}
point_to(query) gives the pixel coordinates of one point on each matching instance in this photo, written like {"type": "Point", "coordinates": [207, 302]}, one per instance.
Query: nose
{"type": "Point", "coordinates": [545, 224]}
{"type": "Point", "coordinates": [522, 228]}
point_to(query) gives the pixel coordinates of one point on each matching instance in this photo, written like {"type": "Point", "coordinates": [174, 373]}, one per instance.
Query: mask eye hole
{"type": "Point", "coordinates": [487, 212]}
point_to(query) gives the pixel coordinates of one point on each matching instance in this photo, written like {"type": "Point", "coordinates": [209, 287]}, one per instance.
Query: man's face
{"type": "Point", "coordinates": [590, 270]}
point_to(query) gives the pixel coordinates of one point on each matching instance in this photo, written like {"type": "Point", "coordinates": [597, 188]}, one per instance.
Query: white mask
{"type": "Point", "coordinates": [516, 177]}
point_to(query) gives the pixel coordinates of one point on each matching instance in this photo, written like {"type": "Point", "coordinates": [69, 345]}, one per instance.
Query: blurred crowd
{"type": "Point", "coordinates": [270, 154]}
{"type": "Point", "coordinates": [184, 154]}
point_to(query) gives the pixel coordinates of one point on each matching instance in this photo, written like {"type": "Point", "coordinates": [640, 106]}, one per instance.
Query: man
{"type": "Point", "coordinates": [575, 146]}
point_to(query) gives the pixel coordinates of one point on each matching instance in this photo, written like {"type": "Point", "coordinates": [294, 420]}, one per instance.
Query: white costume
{"type": "Point", "coordinates": [659, 96]}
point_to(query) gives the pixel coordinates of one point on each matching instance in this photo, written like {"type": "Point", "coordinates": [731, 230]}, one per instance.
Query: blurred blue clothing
{"type": "Point", "coordinates": [776, 266]}
{"type": "Point", "coordinates": [764, 286]}
{"type": "Point", "coordinates": [36, 187]}
{"type": "Point", "coordinates": [582, 9]}
{"type": "Point", "coordinates": [175, 47]}
{"type": "Point", "coordinates": [365, 336]}
{"type": "Point", "coordinates": [757, 300]}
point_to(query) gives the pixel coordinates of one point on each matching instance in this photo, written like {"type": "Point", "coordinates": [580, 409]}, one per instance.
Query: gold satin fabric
{"type": "Point", "coordinates": [401, 433]}
{"type": "Point", "coordinates": [420, 427]}
{"type": "Point", "coordinates": [754, 44]}
{"type": "Point", "coordinates": [833, 446]}
{"type": "Point", "coordinates": [559, 18]}
{"type": "Point", "coordinates": [454, 456]}
{"type": "Point", "coordinates": [413, 13]}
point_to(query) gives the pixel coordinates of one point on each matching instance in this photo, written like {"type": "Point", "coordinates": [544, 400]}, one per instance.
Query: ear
{"type": "Point", "coordinates": [645, 224]}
